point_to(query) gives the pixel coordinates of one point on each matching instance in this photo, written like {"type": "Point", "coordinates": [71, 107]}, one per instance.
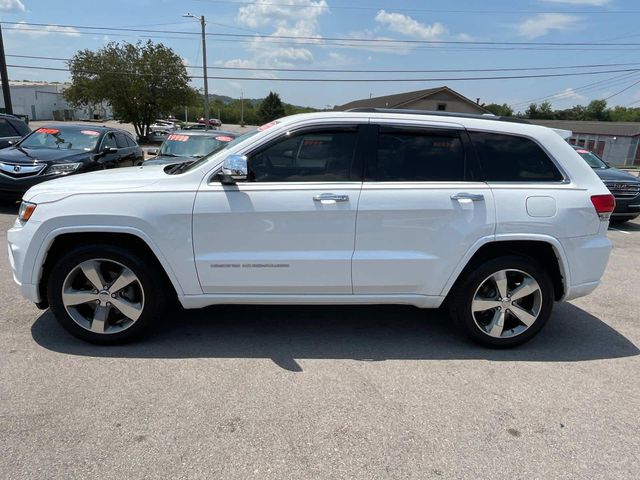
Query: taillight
{"type": "Point", "coordinates": [604, 205]}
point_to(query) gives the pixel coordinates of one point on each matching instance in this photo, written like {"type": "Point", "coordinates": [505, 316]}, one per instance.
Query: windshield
{"type": "Point", "coordinates": [62, 138]}
{"type": "Point", "coordinates": [234, 142]}
{"type": "Point", "coordinates": [193, 145]}
{"type": "Point", "coordinates": [592, 159]}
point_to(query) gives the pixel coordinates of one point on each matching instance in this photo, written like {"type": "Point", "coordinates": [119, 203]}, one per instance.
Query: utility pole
{"type": "Point", "coordinates": [4, 76]}
{"type": "Point", "coordinates": [241, 108]}
{"type": "Point", "coordinates": [204, 67]}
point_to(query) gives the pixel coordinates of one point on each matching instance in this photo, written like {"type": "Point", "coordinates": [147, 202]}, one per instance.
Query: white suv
{"type": "Point", "coordinates": [496, 219]}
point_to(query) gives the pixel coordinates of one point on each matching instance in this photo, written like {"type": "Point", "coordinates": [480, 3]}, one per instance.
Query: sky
{"type": "Point", "coordinates": [356, 35]}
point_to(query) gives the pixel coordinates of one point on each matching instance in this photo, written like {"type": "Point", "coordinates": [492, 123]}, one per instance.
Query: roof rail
{"type": "Point", "coordinates": [438, 114]}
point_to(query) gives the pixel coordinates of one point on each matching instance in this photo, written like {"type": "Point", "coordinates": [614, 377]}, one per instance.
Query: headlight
{"type": "Point", "coordinates": [26, 210]}
{"type": "Point", "coordinates": [64, 168]}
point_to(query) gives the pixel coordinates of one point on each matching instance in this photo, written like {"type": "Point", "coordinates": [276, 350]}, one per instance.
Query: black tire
{"type": "Point", "coordinates": [151, 280]}
{"type": "Point", "coordinates": [461, 298]}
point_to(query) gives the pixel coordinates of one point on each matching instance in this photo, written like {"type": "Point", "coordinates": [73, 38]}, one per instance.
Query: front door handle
{"type": "Point", "coordinates": [474, 197]}
{"type": "Point", "coordinates": [330, 198]}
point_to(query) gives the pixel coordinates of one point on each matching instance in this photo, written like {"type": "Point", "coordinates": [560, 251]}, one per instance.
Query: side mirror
{"type": "Point", "coordinates": [153, 152]}
{"type": "Point", "coordinates": [109, 150]}
{"type": "Point", "coordinates": [11, 142]}
{"type": "Point", "coordinates": [234, 169]}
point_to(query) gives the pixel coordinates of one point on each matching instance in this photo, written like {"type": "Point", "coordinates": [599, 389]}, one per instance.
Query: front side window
{"type": "Point", "coordinates": [6, 130]}
{"type": "Point", "coordinates": [109, 141]}
{"type": "Point", "coordinates": [322, 156]}
{"type": "Point", "coordinates": [419, 155]}
{"type": "Point", "coordinates": [510, 158]}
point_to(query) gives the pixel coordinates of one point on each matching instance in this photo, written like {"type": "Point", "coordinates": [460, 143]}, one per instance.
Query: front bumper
{"type": "Point", "coordinates": [627, 207]}
{"type": "Point", "coordinates": [14, 188]}
{"type": "Point", "coordinates": [18, 239]}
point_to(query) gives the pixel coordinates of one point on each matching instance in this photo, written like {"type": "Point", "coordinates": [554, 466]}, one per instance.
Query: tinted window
{"type": "Point", "coordinates": [509, 158]}
{"type": "Point", "coordinates": [6, 130]}
{"type": "Point", "coordinates": [19, 126]}
{"type": "Point", "coordinates": [324, 156]}
{"type": "Point", "coordinates": [121, 140]}
{"type": "Point", "coordinates": [418, 155]}
{"type": "Point", "coordinates": [130, 141]}
{"type": "Point", "coordinates": [109, 141]}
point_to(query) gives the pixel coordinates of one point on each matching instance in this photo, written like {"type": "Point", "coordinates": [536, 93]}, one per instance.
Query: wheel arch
{"type": "Point", "coordinates": [63, 239]}
{"type": "Point", "coordinates": [546, 250]}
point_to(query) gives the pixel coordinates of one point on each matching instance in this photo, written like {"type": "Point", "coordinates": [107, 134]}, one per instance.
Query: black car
{"type": "Point", "coordinates": [12, 129]}
{"type": "Point", "coordinates": [186, 146]}
{"type": "Point", "coordinates": [624, 186]}
{"type": "Point", "coordinates": [51, 152]}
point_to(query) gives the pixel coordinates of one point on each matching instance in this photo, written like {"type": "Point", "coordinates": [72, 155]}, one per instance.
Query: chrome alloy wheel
{"type": "Point", "coordinates": [103, 296]}
{"type": "Point", "coordinates": [506, 303]}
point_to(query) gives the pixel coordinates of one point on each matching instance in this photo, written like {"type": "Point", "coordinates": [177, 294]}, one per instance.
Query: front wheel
{"type": "Point", "coordinates": [105, 294]}
{"type": "Point", "coordinates": [503, 302]}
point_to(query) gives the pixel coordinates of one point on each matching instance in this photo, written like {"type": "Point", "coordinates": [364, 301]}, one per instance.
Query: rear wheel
{"type": "Point", "coordinates": [105, 294]}
{"type": "Point", "coordinates": [504, 302]}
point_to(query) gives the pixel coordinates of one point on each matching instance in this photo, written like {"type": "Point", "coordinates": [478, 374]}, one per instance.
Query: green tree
{"type": "Point", "coordinates": [597, 110]}
{"type": "Point", "coordinates": [140, 82]}
{"type": "Point", "coordinates": [271, 108]}
{"type": "Point", "coordinates": [503, 110]}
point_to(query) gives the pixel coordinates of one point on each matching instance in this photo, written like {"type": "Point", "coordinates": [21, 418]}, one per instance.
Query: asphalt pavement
{"type": "Point", "coordinates": [326, 392]}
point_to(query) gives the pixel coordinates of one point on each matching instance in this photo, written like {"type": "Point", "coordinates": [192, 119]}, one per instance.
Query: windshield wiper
{"type": "Point", "coordinates": [178, 168]}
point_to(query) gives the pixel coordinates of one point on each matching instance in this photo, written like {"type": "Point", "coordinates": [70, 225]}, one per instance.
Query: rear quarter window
{"type": "Point", "coordinates": [511, 158]}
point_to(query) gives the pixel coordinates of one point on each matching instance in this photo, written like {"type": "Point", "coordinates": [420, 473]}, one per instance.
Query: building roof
{"type": "Point", "coordinates": [613, 129]}
{"type": "Point", "coordinates": [399, 100]}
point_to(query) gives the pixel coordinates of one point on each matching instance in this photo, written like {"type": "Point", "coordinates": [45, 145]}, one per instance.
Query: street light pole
{"type": "Point", "coordinates": [204, 67]}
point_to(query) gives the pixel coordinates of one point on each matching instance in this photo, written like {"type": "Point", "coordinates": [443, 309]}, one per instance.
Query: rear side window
{"type": "Point", "coordinates": [509, 158]}
{"type": "Point", "coordinates": [130, 141]}
{"type": "Point", "coordinates": [121, 140]}
{"type": "Point", "coordinates": [419, 155]}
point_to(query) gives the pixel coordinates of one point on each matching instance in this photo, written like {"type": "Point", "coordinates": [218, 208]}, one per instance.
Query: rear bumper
{"type": "Point", "coordinates": [587, 258]}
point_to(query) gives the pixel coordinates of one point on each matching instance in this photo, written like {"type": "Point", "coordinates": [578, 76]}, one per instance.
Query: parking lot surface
{"type": "Point", "coordinates": [326, 392]}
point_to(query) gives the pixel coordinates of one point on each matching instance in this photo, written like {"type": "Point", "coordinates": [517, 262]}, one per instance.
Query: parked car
{"type": "Point", "coordinates": [160, 130]}
{"type": "Point", "coordinates": [494, 219]}
{"type": "Point", "coordinates": [12, 129]}
{"type": "Point", "coordinates": [624, 186]}
{"type": "Point", "coordinates": [60, 150]}
{"type": "Point", "coordinates": [188, 146]}
{"type": "Point", "coordinates": [213, 122]}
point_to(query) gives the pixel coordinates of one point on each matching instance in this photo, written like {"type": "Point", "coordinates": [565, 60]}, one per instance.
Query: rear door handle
{"type": "Point", "coordinates": [330, 198]}
{"type": "Point", "coordinates": [474, 197]}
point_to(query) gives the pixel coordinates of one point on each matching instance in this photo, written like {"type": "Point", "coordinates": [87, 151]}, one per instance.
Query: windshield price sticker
{"type": "Point", "coordinates": [93, 133]}
{"type": "Point", "coordinates": [50, 131]}
{"type": "Point", "coordinates": [178, 138]}
{"type": "Point", "coordinates": [223, 138]}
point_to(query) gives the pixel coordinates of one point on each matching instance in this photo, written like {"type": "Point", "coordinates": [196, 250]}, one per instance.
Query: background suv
{"type": "Point", "coordinates": [12, 129]}
{"type": "Point", "coordinates": [624, 186]}
{"type": "Point", "coordinates": [495, 220]}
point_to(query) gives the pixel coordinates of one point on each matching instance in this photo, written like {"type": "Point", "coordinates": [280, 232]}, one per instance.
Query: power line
{"type": "Point", "coordinates": [594, 86]}
{"type": "Point", "coordinates": [623, 90]}
{"type": "Point", "coordinates": [332, 70]}
{"type": "Point", "coordinates": [423, 10]}
{"type": "Point", "coordinates": [319, 39]}
{"type": "Point", "coordinates": [357, 80]}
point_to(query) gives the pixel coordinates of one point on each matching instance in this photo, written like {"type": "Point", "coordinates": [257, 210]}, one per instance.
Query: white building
{"type": "Point", "coordinates": [44, 101]}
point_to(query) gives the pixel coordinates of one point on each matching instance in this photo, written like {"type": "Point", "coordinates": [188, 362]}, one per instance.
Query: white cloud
{"type": "Point", "coordinates": [592, 3]}
{"type": "Point", "coordinates": [36, 31]}
{"type": "Point", "coordinates": [568, 94]}
{"type": "Point", "coordinates": [404, 24]}
{"type": "Point", "coordinates": [11, 6]}
{"type": "Point", "coordinates": [265, 12]}
{"type": "Point", "coordinates": [542, 24]}
{"type": "Point", "coordinates": [299, 19]}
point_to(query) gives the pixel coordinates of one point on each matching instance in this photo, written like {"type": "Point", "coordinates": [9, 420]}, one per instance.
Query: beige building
{"type": "Point", "coordinates": [441, 99]}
